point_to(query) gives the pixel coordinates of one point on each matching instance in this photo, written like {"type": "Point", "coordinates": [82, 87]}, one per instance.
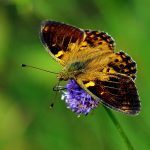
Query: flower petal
{"type": "Point", "coordinates": [77, 99]}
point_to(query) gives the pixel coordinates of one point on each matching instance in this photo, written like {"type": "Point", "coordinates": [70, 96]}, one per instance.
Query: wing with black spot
{"type": "Point", "coordinates": [121, 63]}
{"type": "Point", "coordinates": [99, 39]}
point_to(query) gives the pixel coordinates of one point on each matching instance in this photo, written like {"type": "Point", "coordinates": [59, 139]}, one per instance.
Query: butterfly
{"type": "Point", "coordinates": [88, 57]}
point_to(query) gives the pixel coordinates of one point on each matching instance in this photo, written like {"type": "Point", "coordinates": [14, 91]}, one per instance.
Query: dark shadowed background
{"type": "Point", "coordinates": [26, 122]}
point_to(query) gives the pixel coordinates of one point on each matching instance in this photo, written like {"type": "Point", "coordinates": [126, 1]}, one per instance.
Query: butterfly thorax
{"type": "Point", "coordinates": [72, 70]}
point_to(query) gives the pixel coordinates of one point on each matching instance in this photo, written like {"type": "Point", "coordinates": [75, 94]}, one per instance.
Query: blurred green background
{"type": "Point", "coordinates": [26, 122]}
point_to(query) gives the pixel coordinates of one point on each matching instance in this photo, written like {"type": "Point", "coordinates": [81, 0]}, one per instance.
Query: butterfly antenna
{"type": "Point", "coordinates": [29, 66]}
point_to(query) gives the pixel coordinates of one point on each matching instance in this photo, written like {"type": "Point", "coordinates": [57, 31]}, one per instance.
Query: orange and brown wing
{"type": "Point", "coordinates": [57, 36]}
{"type": "Point", "coordinates": [115, 91]}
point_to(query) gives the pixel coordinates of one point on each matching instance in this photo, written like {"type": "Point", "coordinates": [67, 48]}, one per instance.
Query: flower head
{"type": "Point", "coordinates": [77, 99]}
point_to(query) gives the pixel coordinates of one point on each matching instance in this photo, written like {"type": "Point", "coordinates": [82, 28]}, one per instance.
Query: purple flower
{"type": "Point", "coordinates": [77, 99]}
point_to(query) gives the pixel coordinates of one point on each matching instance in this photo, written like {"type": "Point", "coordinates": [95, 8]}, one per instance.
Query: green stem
{"type": "Point", "coordinates": [119, 128]}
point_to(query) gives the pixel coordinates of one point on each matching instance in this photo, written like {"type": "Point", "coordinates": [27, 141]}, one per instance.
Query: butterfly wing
{"type": "Point", "coordinates": [115, 91]}
{"type": "Point", "coordinates": [57, 38]}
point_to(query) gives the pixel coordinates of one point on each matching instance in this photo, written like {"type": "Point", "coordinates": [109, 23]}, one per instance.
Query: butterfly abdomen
{"type": "Point", "coordinates": [122, 63]}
